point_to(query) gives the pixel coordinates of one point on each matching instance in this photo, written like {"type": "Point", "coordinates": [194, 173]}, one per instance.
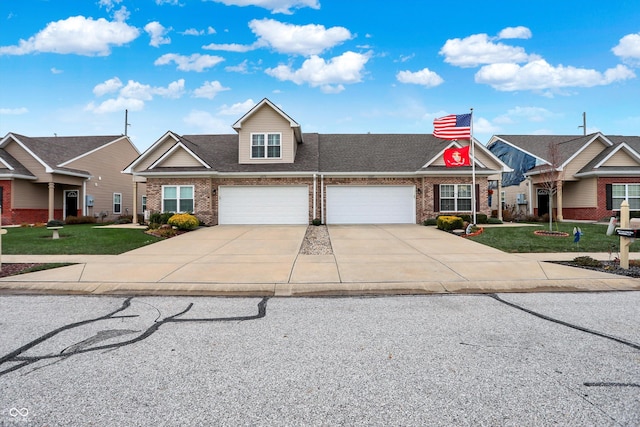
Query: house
{"type": "Point", "coordinates": [47, 178]}
{"type": "Point", "coordinates": [270, 172]}
{"type": "Point", "coordinates": [588, 175]}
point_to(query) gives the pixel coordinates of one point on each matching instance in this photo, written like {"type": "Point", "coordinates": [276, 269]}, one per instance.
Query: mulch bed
{"type": "Point", "coordinates": [551, 233]}
{"type": "Point", "coordinates": [612, 267]}
{"type": "Point", "coordinates": [16, 268]}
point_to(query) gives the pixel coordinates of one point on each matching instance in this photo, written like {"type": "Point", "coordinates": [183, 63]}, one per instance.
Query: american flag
{"type": "Point", "coordinates": [453, 126]}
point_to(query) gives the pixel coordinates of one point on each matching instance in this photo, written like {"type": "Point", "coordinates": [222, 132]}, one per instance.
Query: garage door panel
{"type": "Point", "coordinates": [263, 204]}
{"type": "Point", "coordinates": [388, 204]}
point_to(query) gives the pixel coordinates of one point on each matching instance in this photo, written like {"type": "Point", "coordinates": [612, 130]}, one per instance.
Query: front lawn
{"type": "Point", "coordinates": [523, 240]}
{"type": "Point", "coordinates": [81, 239]}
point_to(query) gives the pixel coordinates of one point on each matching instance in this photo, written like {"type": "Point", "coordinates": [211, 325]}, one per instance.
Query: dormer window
{"type": "Point", "coordinates": [266, 146]}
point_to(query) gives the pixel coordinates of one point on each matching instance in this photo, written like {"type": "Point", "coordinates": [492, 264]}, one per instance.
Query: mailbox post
{"type": "Point", "coordinates": [627, 235]}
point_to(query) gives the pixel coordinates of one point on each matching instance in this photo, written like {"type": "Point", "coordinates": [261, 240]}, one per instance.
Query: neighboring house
{"type": "Point", "coordinates": [272, 173]}
{"type": "Point", "coordinates": [589, 175]}
{"type": "Point", "coordinates": [55, 177]}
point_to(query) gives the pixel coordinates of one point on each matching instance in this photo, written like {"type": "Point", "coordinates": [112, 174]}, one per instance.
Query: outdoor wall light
{"type": "Point", "coordinates": [213, 191]}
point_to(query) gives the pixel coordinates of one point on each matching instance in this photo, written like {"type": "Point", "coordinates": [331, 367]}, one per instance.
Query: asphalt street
{"type": "Point", "coordinates": [507, 359]}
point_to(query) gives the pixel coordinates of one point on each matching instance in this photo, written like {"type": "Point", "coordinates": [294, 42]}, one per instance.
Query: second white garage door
{"type": "Point", "coordinates": [383, 204]}
{"type": "Point", "coordinates": [263, 204]}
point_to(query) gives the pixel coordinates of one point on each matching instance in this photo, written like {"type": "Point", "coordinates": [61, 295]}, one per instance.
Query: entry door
{"type": "Point", "coordinates": [71, 203]}
{"type": "Point", "coordinates": [543, 202]}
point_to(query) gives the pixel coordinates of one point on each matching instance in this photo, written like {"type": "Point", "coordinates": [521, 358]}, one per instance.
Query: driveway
{"type": "Point", "coordinates": [265, 260]}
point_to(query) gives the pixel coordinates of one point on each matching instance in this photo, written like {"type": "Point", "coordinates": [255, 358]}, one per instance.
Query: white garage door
{"type": "Point", "coordinates": [383, 204]}
{"type": "Point", "coordinates": [262, 204]}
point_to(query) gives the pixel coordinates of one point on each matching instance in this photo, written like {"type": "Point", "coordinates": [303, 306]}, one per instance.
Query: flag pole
{"type": "Point", "coordinates": [473, 172]}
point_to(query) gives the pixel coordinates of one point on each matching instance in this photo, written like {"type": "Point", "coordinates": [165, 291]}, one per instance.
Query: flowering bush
{"type": "Point", "coordinates": [184, 221]}
{"type": "Point", "coordinates": [449, 222]}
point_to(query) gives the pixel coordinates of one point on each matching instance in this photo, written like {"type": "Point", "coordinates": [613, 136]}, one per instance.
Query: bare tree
{"type": "Point", "coordinates": [550, 175]}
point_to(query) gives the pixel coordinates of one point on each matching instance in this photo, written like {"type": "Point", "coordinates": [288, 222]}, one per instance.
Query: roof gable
{"type": "Point", "coordinates": [265, 103]}
{"type": "Point", "coordinates": [179, 156]}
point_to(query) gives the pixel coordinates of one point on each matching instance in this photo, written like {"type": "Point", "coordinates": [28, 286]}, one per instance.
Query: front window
{"type": "Point", "coordinates": [177, 198]}
{"type": "Point", "coordinates": [629, 192]}
{"type": "Point", "coordinates": [117, 203]}
{"type": "Point", "coordinates": [455, 198]}
{"type": "Point", "coordinates": [144, 203]}
{"type": "Point", "coordinates": [272, 149]}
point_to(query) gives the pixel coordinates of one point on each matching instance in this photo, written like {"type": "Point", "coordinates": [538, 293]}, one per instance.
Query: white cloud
{"type": "Point", "coordinates": [172, 2]}
{"type": "Point", "coordinates": [628, 48]}
{"type": "Point", "coordinates": [121, 14]}
{"type": "Point", "coordinates": [237, 109]}
{"type": "Point", "coordinates": [480, 49]}
{"type": "Point", "coordinates": [330, 76]}
{"type": "Point", "coordinates": [211, 30]}
{"type": "Point", "coordinates": [192, 32]}
{"type": "Point", "coordinates": [515, 33]}
{"type": "Point", "coordinates": [76, 35]}
{"type": "Point", "coordinates": [157, 33]}
{"type": "Point", "coordinates": [540, 75]}
{"type": "Point", "coordinates": [13, 111]}
{"type": "Point", "coordinates": [108, 4]}
{"type": "Point", "coordinates": [132, 96]}
{"type": "Point", "coordinates": [482, 125]}
{"type": "Point", "coordinates": [230, 47]}
{"type": "Point", "coordinates": [209, 90]}
{"type": "Point", "coordinates": [205, 122]}
{"type": "Point", "coordinates": [530, 114]}
{"type": "Point", "coordinates": [108, 86]}
{"type": "Point", "coordinates": [242, 68]}
{"type": "Point", "coordinates": [424, 77]}
{"type": "Point", "coordinates": [195, 62]}
{"type": "Point", "coordinates": [275, 6]}
{"type": "Point", "coordinates": [303, 40]}
{"type": "Point", "coordinates": [54, 70]}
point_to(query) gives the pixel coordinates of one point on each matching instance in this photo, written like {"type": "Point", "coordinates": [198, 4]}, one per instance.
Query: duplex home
{"type": "Point", "coordinates": [270, 172]}
{"type": "Point", "coordinates": [43, 178]}
{"type": "Point", "coordinates": [588, 175]}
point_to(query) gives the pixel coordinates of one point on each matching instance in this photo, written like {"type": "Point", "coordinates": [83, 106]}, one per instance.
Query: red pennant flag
{"type": "Point", "coordinates": [455, 157]}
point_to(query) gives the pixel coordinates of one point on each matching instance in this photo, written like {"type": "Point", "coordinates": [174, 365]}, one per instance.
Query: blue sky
{"type": "Point", "coordinates": [70, 67]}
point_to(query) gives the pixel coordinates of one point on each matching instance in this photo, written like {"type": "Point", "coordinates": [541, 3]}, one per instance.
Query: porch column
{"type": "Point", "coordinates": [499, 197]}
{"type": "Point", "coordinates": [559, 216]}
{"type": "Point", "coordinates": [135, 202]}
{"type": "Point", "coordinates": [51, 199]}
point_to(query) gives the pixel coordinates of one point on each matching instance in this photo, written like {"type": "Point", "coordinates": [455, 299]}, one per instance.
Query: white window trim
{"type": "Point", "coordinates": [266, 145]}
{"type": "Point", "coordinates": [143, 202]}
{"type": "Point", "coordinates": [193, 192]}
{"type": "Point", "coordinates": [626, 194]}
{"type": "Point", "coordinates": [455, 198]}
{"type": "Point", "coordinates": [115, 212]}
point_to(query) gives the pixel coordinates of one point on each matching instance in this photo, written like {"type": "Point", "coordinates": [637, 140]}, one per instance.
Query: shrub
{"type": "Point", "coordinates": [156, 219]}
{"type": "Point", "coordinates": [316, 221]}
{"type": "Point", "coordinates": [493, 221]}
{"type": "Point", "coordinates": [25, 225]}
{"type": "Point", "coordinates": [80, 220]}
{"type": "Point", "coordinates": [124, 219]}
{"type": "Point", "coordinates": [448, 223]}
{"type": "Point", "coordinates": [183, 221]}
{"type": "Point", "coordinates": [587, 261]}
{"type": "Point", "coordinates": [430, 221]}
{"type": "Point", "coordinates": [55, 223]}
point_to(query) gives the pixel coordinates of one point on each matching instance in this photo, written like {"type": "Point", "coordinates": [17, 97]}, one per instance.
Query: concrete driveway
{"type": "Point", "coordinates": [265, 260]}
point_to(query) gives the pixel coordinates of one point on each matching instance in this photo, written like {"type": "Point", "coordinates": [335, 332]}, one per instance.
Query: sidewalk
{"type": "Point", "coordinates": [264, 261]}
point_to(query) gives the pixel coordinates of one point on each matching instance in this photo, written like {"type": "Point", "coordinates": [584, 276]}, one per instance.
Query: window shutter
{"type": "Point", "coordinates": [477, 197]}
{"type": "Point", "coordinates": [1, 197]}
{"type": "Point", "coordinates": [609, 193]}
{"type": "Point", "coordinates": [436, 197]}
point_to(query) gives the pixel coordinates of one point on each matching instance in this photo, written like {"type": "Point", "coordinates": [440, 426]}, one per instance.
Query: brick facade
{"type": "Point", "coordinates": [206, 192]}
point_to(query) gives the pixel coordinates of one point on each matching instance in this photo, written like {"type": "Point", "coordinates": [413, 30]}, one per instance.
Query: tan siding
{"type": "Point", "coordinates": [580, 194]}
{"type": "Point", "coordinates": [154, 155]}
{"type": "Point", "coordinates": [266, 120]}
{"type": "Point", "coordinates": [27, 161]}
{"type": "Point", "coordinates": [511, 194]}
{"type": "Point", "coordinates": [179, 158]}
{"type": "Point", "coordinates": [105, 166]}
{"type": "Point", "coordinates": [621, 158]}
{"type": "Point", "coordinates": [27, 195]}
{"type": "Point", "coordinates": [582, 159]}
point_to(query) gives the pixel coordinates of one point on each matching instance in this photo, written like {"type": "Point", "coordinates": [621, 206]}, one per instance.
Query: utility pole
{"type": "Point", "coordinates": [126, 122]}
{"type": "Point", "coordinates": [584, 124]}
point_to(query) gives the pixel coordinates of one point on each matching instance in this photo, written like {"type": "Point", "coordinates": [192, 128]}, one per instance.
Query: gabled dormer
{"type": "Point", "coordinates": [266, 134]}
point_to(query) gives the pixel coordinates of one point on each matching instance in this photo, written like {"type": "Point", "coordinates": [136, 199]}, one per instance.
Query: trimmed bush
{"type": "Point", "coordinates": [183, 221]}
{"type": "Point", "coordinates": [55, 223]}
{"type": "Point", "coordinates": [587, 261]}
{"type": "Point", "coordinates": [430, 221]}
{"type": "Point", "coordinates": [448, 222]}
{"type": "Point", "coordinates": [80, 220]}
{"type": "Point", "coordinates": [316, 221]}
{"type": "Point", "coordinates": [493, 221]}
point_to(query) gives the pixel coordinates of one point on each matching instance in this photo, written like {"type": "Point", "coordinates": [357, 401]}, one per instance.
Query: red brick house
{"type": "Point", "coordinates": [270, 172]}
{"type": "Point", "coordinates": [590, 175]}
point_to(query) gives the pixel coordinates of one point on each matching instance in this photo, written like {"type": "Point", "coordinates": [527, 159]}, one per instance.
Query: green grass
{"type": "Point", "coordinates": [522, 239]}
{"type": "Point", "coordinates": [81, 239]}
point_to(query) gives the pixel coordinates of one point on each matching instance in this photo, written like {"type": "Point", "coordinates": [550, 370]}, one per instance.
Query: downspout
{"type": "Point", "coordinates": [315, 195]}
{"type": "Point", "coordinates": [322, 198]}
{"type": "Point", "coordinates": [530, 196]}
{"type": "Point", "coordinates": [84, 198]}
